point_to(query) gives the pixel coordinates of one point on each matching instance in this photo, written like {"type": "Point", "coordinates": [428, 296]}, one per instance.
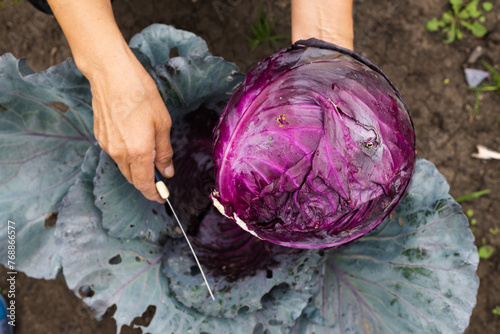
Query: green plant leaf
{"type": "Point", "coordinates": [464, 15]}
{"type": "Point", "coordinates": [280, 309]}
{"type": "Point", "coordinates": [434, 25]}
{"type": "Point", "coordinates": [449, 33]}
{"type": "Point", "coordinates": [486, 251]}
{"type": "Point", "coordinates": [487, 6]}
{"type": "Point", "coordinates": [263, 31]}
{"type": "Point", "coordinates": [448, 17]}
{"type": "Point", "coordinates": [472, 9]}
{"type": "Point", "coordinates": [456, 5]}
{"type": "Point", "coordinates": [115, 196]}
{"type": "Point", "coordinates": [496, 310]}
{"type": "Point", "coordinates": [478, 29]}
{"type": "Point", "coordinates": [100, 269]}
{"type": "Point", "coordinates": [188, 83]}
{"type": "Point", "coordinates": [456, 2]}
{"type": "Point", "coordinates": [404, 277]}
{"type": "Point", "coordinates": [494, 73]}
{"type": "Point", "coordinates": [473, 195]}
{"type": "Point", "coordinates": [158, 40]}
{"type": "Point", "coordinates": [255, 31]}
{"type": "Point", "coordinates": [46, 128]}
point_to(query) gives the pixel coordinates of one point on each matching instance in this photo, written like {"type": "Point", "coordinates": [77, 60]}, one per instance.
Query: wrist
{"type": "Point", "coordinates": [345, 41]}
{"type": "Point", "coordinates": [102, 57]}
{"type": "Point", "coordinates": [328, 20]}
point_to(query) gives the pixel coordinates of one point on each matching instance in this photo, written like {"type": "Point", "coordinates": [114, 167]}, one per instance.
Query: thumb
{"type": "Point", "coordinates": [164, 152]}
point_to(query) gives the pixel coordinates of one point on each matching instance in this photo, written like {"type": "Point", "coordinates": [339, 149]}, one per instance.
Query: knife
{"type": "Point", "coordinates": [164, 193]}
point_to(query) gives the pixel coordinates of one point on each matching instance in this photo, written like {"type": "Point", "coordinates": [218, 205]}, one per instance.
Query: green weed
{"type": "Point", "coordinates": [460, 16]}
{"type": "Point", "coordinates": [494, 231]}
{"type": "Point", "coordinates": [472, 195]}
{"type": "Point", "coordinates": [491, 86]}
{"type": "Point", "coordinates": [263, 31]}
{"type": "Point", "coordinates": [485, 251]}
{"type": "Point", "coordinates": [470, 214]}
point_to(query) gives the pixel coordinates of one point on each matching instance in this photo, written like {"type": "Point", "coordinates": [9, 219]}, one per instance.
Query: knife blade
{"type": "Point", "coordinates": [164, 193]}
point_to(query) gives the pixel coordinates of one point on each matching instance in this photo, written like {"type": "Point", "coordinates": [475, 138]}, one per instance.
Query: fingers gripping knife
{"type": "Point", "coordinates": [164, 193]}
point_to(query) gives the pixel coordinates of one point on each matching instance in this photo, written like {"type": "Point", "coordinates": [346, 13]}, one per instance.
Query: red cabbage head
{"type": "Point", "coordinates": [314, 149]}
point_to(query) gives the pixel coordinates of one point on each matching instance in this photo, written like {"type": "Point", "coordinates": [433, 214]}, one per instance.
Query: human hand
{"type": "Point", "coordinates": [131, 122]}
{"type": "Point", "coordinates": [328, 20]}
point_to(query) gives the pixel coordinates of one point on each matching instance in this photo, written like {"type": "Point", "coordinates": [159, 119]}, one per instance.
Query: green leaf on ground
{"type": "Point", "coordinates": [487, 6]}
{"type": "Point", "coordinates": [485, 251]}
{"type": "Point", "coordinates": [494, 231]}
{"type": "Point", "coordinates": [478, 29]}
{"type": "Point", "coordinates": [472, 195]}
{"type": "Point", "coordinates": [434, 25]}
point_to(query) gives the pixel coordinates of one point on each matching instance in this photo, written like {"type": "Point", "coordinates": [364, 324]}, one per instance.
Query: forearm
{"type": "Point", "coordinates": [329, 20]}
{"type": "Point", "coordinates": [92, 33]}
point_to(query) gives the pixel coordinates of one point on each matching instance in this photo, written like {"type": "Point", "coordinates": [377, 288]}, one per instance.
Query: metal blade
{"type": "Point", "coordinates": [192, 250]}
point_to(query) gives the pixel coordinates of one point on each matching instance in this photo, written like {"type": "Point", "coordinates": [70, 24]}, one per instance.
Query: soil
{"type": "Point", "coordinates": [389, 32]}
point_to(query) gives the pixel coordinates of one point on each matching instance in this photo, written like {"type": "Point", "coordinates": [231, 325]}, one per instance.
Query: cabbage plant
{"type": "Point", "coordinates": [414, 273]}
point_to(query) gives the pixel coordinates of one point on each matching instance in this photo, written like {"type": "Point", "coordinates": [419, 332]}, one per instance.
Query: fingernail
{"type": "Point", "coordinates": [169, 171]}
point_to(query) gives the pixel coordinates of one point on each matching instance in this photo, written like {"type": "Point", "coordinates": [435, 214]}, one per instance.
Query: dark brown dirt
{"type": "Point", "coordinates": [389, 32]}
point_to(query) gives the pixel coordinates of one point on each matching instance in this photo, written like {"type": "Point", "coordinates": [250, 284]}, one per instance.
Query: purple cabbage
{"type": "Point", "coordinates": [314, 149]}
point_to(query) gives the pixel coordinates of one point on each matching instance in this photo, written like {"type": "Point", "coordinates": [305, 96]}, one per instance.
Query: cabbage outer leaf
{"type": "Point", "coordinates": [157, 41]}
{"type": "Point", "coordinates": [45, 130]}
{"type": "Point", "coordinates": [293, 268]}
{"type": "Point", "coordinates": [415, 273]}
{"type": "Point", "coordinates": [126, 213]}
{"type": "Point", "coordinates": [100, 269]}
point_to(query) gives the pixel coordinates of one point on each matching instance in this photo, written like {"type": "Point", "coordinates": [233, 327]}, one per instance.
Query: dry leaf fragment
{"type": "Point", "coordinates": [485, 153]}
